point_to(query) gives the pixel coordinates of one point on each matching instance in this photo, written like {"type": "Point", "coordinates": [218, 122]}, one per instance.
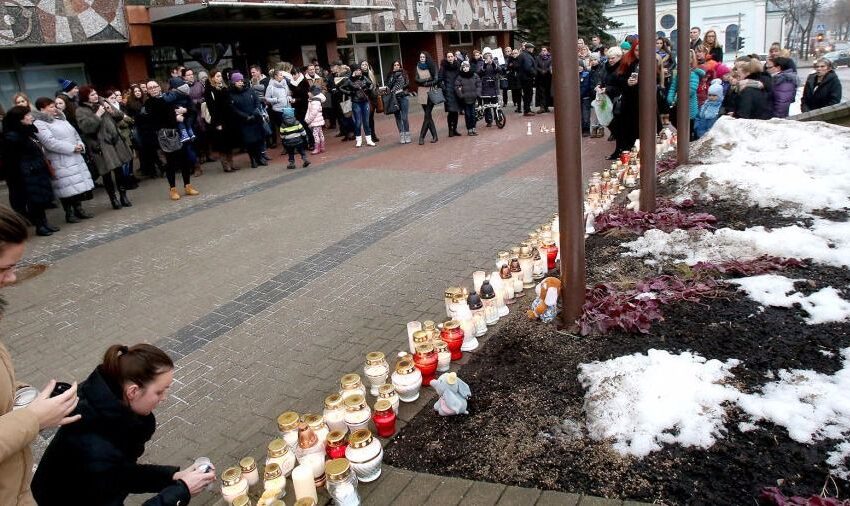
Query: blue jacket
{"type": "Point", "coordinates": [696, 75]}
{"type": "Point", "coordinates": [708, 114]}
{"type": "Point", "coordinates": [585, 84]}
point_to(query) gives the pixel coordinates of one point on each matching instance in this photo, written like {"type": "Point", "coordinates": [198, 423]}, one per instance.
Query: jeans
{"type": "Point", "coordinates": [290, 152]}
{"type": "Point", "coordinates": [360, 111]}
{"type": "Point", "coordinates": [469, 115]}
{"type": "Point", "coordinates": [585, 114]}
{"type": "Point", "coordinates": [401, 115]}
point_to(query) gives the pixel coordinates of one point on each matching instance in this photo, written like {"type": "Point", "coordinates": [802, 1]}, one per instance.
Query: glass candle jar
{"type": "Point", "coordinates": [551, 255]}
{"type": "Point", "coordinates": [387, 390]}
{"type": "Point", "coordinates": [411, 328]}
{"type": "Point", "coordinates": [538, 269]}
{"type": "Point", "coordinates": [451, 293]}
{"type": "Point", "coordinates": [477, 279]}
{"type": "Point", "coordinates": [516, 273]}
{"type": "Point", "coordinates": [476, 306]}
{"type": "Point", "coordinates": [342, 482]}
{"type": "Point", "coordinates": [351, 385]}
{"type": "Point", "coordinates": [365, 455]}
{"type": "Point", "coordinates": [233, 484]}
{"type": "Point", "coordinates": [425, 359]}
{"type": "Point", "coordinates": [507, 284]}
{"type": "Point", "coordinates": [444, 356]}
{"type": "Point", "coordinates": [334, 413]}
{"type": "Point", "coordinates": [357, 413]}
{"type": "Point", "coordinates": [431, 329]}
{"type": "Point", "coordinates": [421, 337]}
{"type": "Point", "coordinates": [376, 370]}
{"type": "Point", "coordinates": [384, 418]}
{"type": "Point", "coordinates": [452, 334]}
{"type": "Point", "coordinates": [320, 428]}
{"type": "Point", "coordinates": [278, 452]}
{"type": "Point", "coordinates": [274, 482]}
{"type": "Point", "coordinates": [305, 501]}
{"type": "Point", "coordinates": [335, 444]}
{"type": "Point", "coordinates": [526, 261]}
{"type": "Point", "coordinates": [498, 287]}
{"type": "Point", "coordinates": [242, 500]}
{"type": "Point", "coordinates": [303, 483]}
{"type": "Point", "coordinates": [311, 452]}
{"type": "Point", "coordinates": [287, 424]}
{"type": "Point", "coordinates": [407, 380]}
{"type": "Point", "coordinates": [488, 297]}
{"type": "Point", "coordinates": [249, 470]}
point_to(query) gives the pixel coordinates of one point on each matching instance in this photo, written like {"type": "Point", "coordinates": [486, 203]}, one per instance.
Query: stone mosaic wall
{"type": "Point", "coordinates": [439, 15]}
{"type": "Point", "coordinates": [39, 22]}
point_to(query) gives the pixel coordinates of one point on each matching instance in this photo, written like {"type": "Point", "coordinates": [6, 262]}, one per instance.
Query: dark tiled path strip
{"type": "Point", "coordinates": [228, 316]}
{"type": "Point", "coordinates": [67, 251]}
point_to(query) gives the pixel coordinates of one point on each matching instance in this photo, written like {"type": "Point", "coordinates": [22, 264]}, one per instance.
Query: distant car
{"type": "Point", "coordinates": [841, 46]}
{"type": "Point", "coordinates": [839, 58]}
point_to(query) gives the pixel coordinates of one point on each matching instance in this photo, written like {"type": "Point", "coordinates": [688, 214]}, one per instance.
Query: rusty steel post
{"type": "Point", "coordinates": [683, 88]}
{"type": "Point", "coordinates": [564, 35]}
{"type": "Point", "coordinates": [648, 100]}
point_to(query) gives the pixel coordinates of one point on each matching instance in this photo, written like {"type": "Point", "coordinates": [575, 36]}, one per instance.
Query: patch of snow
{"type": "Point", "coordinates": [776, 163]}
{"type": "Point", "coordinates": [747, 426]}
{"type": "Point", "coordinates": [838, 459]}
{"type": "Point", "coordinates": [826, 242]}
{"type": "Point", "coordinates": [827, 353]}
{"type": "Point", "coordinates": [641, 401]}
{"type": "Point", "coordinates": [824, 306]}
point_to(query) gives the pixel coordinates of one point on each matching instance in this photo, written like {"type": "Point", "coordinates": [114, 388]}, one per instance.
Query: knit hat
{"type": "Point", "coordinates": [67, 85]}
{"type": "Point", "coordinates": [183, 88]}
{"type": "Point", "coordinates": [465, 63]}
{"type": "Point", "coordinates": [236, 77]}
{"type": "Point", "coordinates": [721, 70]}
{"type": "Point", "coordinates": [288, 112]}
{"type": "Point", "coordinates": [315, 90]}
{"type": "Point", "coordinates": [625, 45]}
{"type": "Point", "coordinates": [716, 88]}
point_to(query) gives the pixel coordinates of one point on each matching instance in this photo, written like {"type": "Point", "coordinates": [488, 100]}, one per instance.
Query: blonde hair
{"type": "Point", "coordinates": [614, 51]}
{"type": "Point", "coordinates": [753, 66]}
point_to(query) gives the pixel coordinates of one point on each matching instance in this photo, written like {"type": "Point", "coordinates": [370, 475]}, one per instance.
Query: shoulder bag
{"type": "Point", "coordinates": [169, 140]}
{"type": "Point", "coordinates": [435, 95]}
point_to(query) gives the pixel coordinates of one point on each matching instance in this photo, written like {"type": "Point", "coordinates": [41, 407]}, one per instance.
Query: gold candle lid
{"type": "Point", "coordinates": [314, 421]}
{"type": "Point", "coordinates": [277, 448]}
{"type": "Point", "coordinates": [288, 420]}
{"type": "Point", "coordinates": [440, 346]}
{"type": "Point", "coordinates": [452, 291]}
{"type": "Point", "coordinates": [355, 402]}
{"type": "Point", "coordinates": [305, 501]}
{"type": "Point", "coordinates": [335, 437]}
{"type": "Point", "coordinates": [504, 255]}
{"type": "Point", "coordinates": [424, 349]}
{"type": "Point", "coordinates": [383, 405]}
{"type": "Point", "coordinates": [333, 401]}
{"type": "Point", "coordinates": [268, 496]}
{"type": "Point", "coordinates": [420, 337]}
{"type": "Point", "coordinates": [451, 325]}
{"type": "Point", "coordinates": [387, 389]}
{"type": "Point", "coordinates": [360, 438]}
{"type": "Point", "coordinates": [248, 464]}
{"type": "Point", "coordinates": [241, 500]}
{"type": "Point", "coordinates": [272, 471]}
{"type": "Point", "coordinates": [231, 476]}
{"type": "Point", "coordinates": [337, 469]}
{"type": "Point", "coordinates": [375, 357]}
{"type": "Point", "coordinates": [525, 252]}
{"type": "Point", "coordinates": [404, 366]}
{"type": "Point", "coordinates": [351, 380]}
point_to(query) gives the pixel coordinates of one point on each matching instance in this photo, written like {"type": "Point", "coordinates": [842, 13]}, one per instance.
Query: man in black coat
{"type": "Point", "coordinates": [543, 67]}
{"type": "Point", "coordinates": [526, 69]}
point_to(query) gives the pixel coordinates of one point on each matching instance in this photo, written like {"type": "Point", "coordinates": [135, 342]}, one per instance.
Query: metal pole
{"type": "Point", "coordinates": [683, 117]}
{"type": "Point", "coordinates": [564, 33]}
{"type": "Point", "coordinates": [648, 101]}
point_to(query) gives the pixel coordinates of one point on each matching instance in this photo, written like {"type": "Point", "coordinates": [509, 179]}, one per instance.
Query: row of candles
{"type": "Point", "coordinates": [337, 449]}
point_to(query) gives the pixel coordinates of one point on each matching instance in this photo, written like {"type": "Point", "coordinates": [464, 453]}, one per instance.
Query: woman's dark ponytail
{"type": "Point", "coordinates": [139, 364]}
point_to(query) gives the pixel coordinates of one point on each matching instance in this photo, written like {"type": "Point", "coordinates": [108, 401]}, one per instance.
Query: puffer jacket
{"type": "Point", "coordinates": [490, 74]}
{"type": "Point", "coordinates": [277, 94]}
{"type": "Point", "coordinates": [468, 86]}
{"type": "Point", "coordinates": [784, 92]}
{"type": "Point", "coordinates": [314, 116]}
{"type": "Point", "coordinates": [104, 143]}
{"type": "Point", "coordinates": [672, 94]}
{"type": "Point", "coordinates": [58, 137]}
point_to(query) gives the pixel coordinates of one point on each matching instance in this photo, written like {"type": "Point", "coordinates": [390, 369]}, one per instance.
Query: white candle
{"type": "Point", "coordinates": [478, 278]}
{"type": "Point", "coordinates": [412, 327]}
{"type": "Point", "coordinates": [302, 482]}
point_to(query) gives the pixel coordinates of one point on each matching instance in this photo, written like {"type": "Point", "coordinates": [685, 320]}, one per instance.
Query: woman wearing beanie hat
{"type": "Point", "coordinates": [245, 106]}
{"type": "Point", "coordinates": [468, 86]}
{"type": "Point", "coordinates": [97, 121]}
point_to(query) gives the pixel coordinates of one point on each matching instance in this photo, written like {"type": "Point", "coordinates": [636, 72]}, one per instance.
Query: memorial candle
{"type": "Point", "coordinates": [302, 482]}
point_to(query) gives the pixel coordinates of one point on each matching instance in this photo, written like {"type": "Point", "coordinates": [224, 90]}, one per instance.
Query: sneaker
{"type": "Point", "coordinates": [184, 137]}
{"type": "Point", "coordinates": [291, 165]}
{"type": "Point", "coordinates": [306, 164]}
{"type": "Point", "coordinates": [190, 190]}
{"type": "Point", "coordinates": [173, 195]}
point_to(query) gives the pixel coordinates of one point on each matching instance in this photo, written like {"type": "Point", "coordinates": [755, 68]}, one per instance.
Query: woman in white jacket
{"type": "Point", "coordinates": [277, 96]}
{"type": "Point", "coordinates": [71, 180]}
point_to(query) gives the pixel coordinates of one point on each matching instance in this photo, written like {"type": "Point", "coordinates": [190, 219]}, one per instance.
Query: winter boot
{"type": "Point", "coordinates": [80, 213]}
{"type": "Point", "coordinates": [317, 149]}
{"type": "Point", "coordinates": [190, 190]}
{"type": "Point", "coordinates": [359, 142]}
{"type": "Point", "coordinates": [291, 165]}
{"type": "Point", "coordinates": [369, 140]}
{"type": "Point", "coordinates": [125, 202]}
{"type": "Point", "coordinates": [306, 163]}
{"type": "Point", "coordinates": [69, 213]}
{"type": "Point", "coordinates": [116, 204]}
{"type": "Point", "coordinates": [173, 195]}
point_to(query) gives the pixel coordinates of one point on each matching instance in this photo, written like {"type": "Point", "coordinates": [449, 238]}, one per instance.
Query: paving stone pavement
{"type": "Point", "coordinates": [274, 283]}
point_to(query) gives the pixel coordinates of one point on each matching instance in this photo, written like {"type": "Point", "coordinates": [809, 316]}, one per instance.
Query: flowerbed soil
{"type": "Point", "coordinates": [526, 421]}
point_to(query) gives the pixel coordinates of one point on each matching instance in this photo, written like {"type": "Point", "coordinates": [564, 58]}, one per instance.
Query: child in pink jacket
{"type": "Point", "coordinates": [315, 120]}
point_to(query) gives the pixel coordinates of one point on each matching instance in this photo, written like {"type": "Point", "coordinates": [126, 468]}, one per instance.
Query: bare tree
{"type": "Point", "coordinates": [840, 13]}
{"type": "Point", "coordinates": [801, 16]}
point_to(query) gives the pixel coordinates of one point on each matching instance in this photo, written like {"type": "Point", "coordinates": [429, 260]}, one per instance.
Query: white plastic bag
{"type": "Point", "coordinates": [604, 109]}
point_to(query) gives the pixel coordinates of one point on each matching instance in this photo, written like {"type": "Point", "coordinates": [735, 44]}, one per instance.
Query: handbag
{"type": "Point", "coordinates": [345, 106]}
{"type": "Point", "coordinates": [168, 139]}
{"type": "Point", "coordinates": [205, 113]}
{"type": "Point", "coordinates": [390, 104]}
{"type": "Point", "coordinates": [503, 84]}
{"type": "Point", "coordinates": [435, 96]}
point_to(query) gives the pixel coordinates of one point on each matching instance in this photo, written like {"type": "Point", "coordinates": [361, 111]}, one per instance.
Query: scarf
{"type": "Point", "coordinates": [422, 65]}
{"type": "Point", "coordinates": [546, 57]}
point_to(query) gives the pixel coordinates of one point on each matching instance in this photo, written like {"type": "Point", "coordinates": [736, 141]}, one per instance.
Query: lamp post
{"type": "Point", "coordinates": [564, 33]}
{"type": "Point", "coordinates": [683, 119]}
{"type": "Point", "coordinates": [648, 101]}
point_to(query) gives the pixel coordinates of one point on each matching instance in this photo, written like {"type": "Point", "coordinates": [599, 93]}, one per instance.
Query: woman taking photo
{"type": "Point", "coordinates": [27, 173]}
{"type": "Point", "coordinates": [95, 461]}
{"type": "Point", "coordinates": [97, 121]}
{"type": "Point", "coordinates": [366, 67]}
{"type": "Point", "coordinates": [63, 147]}
{"type": "Point", "coordinates": [220, 129]}
{"type": "Point", "coordinates": [358, 88]}
{"type": "Point", "coordinates": [19, 427]}
{"type": "Point", "coordinates": [449, 70]}
{"type": "Point", "coordinates": [426, 78]}
{"type": "Point", "coordinates": [397, 83]}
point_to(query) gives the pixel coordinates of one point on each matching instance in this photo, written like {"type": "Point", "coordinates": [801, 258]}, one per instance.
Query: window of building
{"type": "Point", "coordinates": [667, 21]}
{"type": "Point", "coordinates": [460, 38]}
{"type": "Point", "coordinates": [38, 81]}
{"type": "Point", "coordinates": [488, 41]}
{"type": "Point", "coordinates": [380, 50]}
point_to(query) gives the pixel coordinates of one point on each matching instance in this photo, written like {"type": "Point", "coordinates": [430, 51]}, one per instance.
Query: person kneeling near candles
{"type": "Point", "coordinates": [94, 461]}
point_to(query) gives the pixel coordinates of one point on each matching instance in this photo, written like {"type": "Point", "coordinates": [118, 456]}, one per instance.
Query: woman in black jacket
{"type": "Point", "coordinates": [468, 88]}
{"type": "Point", "coordinates": [397, 84]}
{"type": "Point", "coordinates": [95, 460]}
{"type": "Point", "coordinates": [25, 169]}
{"type": "Point", "coordinates": [490, 74]}
{"type": "Point", "coordinates": [359, 87]}
{"type": "Point", "coordinates": [426, 78]}
{"type": "Point", "coordinates": [245, 106]}
{"type": "Point", "coordinates": [754, 96]}
{"type": "Point", "coordinates": [822, 87]}
{"type": "Point", "coordinates": [220, 130]}
{"type": "Point", "coordinates": [449, 70]}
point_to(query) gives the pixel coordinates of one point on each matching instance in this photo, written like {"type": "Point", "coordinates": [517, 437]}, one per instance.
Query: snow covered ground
{"type": "Point", "coordinates": [641, 402]}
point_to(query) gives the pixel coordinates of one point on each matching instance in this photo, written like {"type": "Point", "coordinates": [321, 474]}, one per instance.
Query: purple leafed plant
{"type": "Point", "coordinates": [666, 165]}
{"type": "Point", "coordinates": [666, 218]}
{"type": "Point", "coordinates": [772, 496]}
{"type": "Point", "coordinates": [634, 310]}
{"type": "Point", "coordinates": [759, 265]}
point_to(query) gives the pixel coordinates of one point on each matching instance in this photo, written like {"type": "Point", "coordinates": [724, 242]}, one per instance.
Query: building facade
{"type": "Point", "coordinates": [118, 42]}
{"type": "Point", "coordinates": [756, 24]}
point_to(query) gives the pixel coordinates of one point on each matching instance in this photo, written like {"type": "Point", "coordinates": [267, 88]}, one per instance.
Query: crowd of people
{"type": "Point", "coordinates": [65, 146]}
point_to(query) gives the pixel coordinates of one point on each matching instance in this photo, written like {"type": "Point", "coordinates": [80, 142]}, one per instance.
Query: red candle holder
{"type": "Point", "coordinates": [384, 418]}
{"type": "Point", "coordinates": [425, 359]}
{"type": "Point", "coordinates": [335, 445]}
{"type": "Point", "coordinates": [452, 334]}
{"type": "Point", "coordinates": [551, 255]}
{"type": "Point", "coordinates": [625, 156]}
